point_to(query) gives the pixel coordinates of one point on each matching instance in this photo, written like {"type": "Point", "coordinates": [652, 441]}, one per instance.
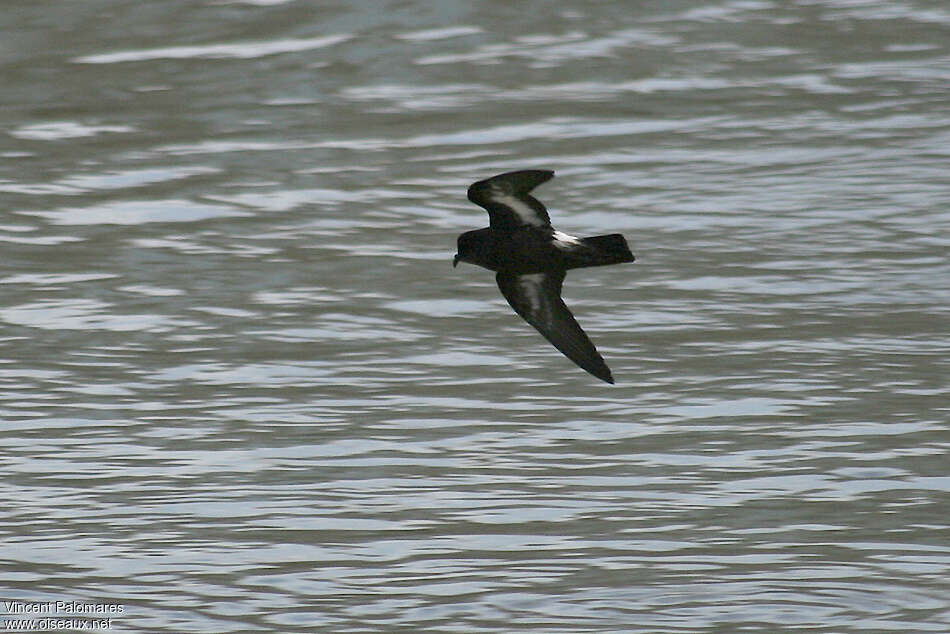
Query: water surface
{"type": "Point", "coordinates": [242, 388]}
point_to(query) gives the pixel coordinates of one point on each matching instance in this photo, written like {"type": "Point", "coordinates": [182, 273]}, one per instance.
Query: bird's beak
{"type": "Point", "coordinates": [455, 261]}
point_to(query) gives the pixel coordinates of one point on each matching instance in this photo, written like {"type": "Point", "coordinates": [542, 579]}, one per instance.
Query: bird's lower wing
{"type": "Point", "coordinates": [537, 298]}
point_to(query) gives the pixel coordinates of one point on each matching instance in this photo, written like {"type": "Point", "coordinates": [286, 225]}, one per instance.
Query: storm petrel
{"type": "Point", "coordinates": [531, 258]}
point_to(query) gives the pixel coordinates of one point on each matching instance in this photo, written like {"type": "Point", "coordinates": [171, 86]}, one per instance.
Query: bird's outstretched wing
{"type": "Point", "coordinates": [508, 202]}
{"type": "Point", "coordinates": [537, 298]}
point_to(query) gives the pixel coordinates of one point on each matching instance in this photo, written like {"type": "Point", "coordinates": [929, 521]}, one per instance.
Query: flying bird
{"type": "Point", "coordinates": [531, 258]}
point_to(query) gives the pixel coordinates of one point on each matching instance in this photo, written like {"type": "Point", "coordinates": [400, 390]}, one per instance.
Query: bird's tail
{"type": "Point", "coordinates": [609, 249]}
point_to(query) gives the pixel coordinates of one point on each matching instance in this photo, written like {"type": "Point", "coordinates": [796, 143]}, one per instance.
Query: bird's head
{"type": "Point", "coordinates": [472, 248]}
{"type": "Point", "coordinates": [463, 250]}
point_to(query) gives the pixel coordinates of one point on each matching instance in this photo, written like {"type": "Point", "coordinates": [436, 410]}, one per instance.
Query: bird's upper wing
{"type": "Point", "coordinates": [508, 202]}
{"type": "Point", "coordinates": [537, 298]}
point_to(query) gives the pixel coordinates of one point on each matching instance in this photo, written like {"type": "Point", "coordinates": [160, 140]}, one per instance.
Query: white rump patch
{"type": "Point", "coordinates": [565, 241]}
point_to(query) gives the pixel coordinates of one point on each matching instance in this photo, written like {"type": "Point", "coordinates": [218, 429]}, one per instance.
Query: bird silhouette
{"type": "Point", "coordinates": [531, 258]}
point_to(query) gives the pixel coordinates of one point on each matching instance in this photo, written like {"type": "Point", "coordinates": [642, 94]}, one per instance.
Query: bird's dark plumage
{"type": "Point", "coordinates": [507, 200]}
{"type": "Point", "coordinates": [531, 259]}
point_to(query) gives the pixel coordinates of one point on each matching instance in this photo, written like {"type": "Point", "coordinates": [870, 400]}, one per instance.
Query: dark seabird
{"type": "Point", "coordinates": [531, 258]}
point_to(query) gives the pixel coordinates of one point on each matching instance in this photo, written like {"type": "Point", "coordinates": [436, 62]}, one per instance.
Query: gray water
{"type": "Point", "coordinates": [242, 388]}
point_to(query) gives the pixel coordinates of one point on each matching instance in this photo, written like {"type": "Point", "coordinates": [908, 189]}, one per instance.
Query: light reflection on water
{"type": "Point", "coordinates": [241, 383]}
